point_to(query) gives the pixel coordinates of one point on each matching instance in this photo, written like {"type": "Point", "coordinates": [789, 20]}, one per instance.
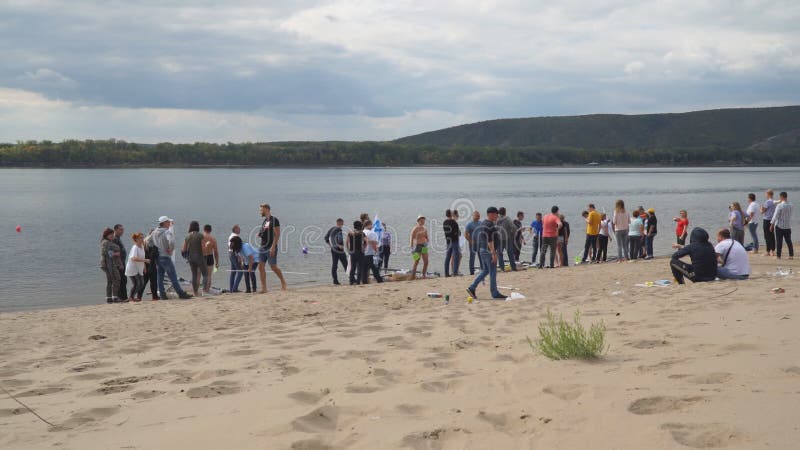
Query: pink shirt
{"type": "Point", "coordinates": [550, 225]}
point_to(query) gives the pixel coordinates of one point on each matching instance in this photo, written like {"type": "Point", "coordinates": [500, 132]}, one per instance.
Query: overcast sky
{"type": "Point", "coordinates": [186, 71]}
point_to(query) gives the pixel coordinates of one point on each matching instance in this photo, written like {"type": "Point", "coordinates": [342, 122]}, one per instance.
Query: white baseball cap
{"type": "Point", "coordinates": [163, 219]}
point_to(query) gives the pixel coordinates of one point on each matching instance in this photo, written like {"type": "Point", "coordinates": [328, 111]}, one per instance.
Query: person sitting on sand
{"type": "Point", "coordinates": [733, 261]}
{"type": "Point", "coordinates": [702, 255]}
{"type": "Point", "coordinates": [485, 238]}
{"type": "Point", "coordinates": [419, 244]}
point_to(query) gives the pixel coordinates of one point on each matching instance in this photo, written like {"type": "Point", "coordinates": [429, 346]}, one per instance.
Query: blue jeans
{"type": "Point", "coordinates": [472, 256]}
{"type": "Point", "coordinates": [236, 277]}
{"type": "Point", "coordinates": [753, 226]}
{"type": "Point", "coordinates": [648, 241]}
{"type": "Point", "coordinates": [166, 267]}
{"type": "Point", "coordinates": [453, 254]}
{"type": "Point", "coordinates": [723, 273]}
{"type": "Point", "coordinates": [536, 240]}
{"type": "Point", "coordinates": [487, 268]}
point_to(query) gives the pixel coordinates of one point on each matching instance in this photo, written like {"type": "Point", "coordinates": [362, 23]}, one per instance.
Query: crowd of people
{"type": "Point", "coordinates": [493, 243]}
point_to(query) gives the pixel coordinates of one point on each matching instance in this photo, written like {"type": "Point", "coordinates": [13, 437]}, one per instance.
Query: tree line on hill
{"type": "Point", "coordinates": [113, 153]}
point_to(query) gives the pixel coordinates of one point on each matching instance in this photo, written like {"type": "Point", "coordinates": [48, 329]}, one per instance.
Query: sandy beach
{"type": "Point", "coordinates": [383, 366]}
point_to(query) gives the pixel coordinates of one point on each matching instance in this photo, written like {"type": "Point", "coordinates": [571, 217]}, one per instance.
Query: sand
{"type": "Point", "coordinates": [382, 366]}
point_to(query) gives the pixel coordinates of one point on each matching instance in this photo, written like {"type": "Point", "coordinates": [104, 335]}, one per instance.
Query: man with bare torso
{"type": "Point", "coordinates": [419, 245]}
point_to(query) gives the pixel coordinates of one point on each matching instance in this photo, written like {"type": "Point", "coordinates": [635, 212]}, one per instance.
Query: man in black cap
{"type": "Point", "coordinates": [485, 238]}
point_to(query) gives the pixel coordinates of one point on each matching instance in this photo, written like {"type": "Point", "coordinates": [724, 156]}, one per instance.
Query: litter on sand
{"type": "Point", "coordinates": [658, 283]}
{"type": "Point", "coordinates": [515, 296]}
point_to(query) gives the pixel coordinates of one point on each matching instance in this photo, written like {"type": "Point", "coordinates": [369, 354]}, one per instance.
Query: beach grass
{"type": "Point", "coordinates": [560, 339]}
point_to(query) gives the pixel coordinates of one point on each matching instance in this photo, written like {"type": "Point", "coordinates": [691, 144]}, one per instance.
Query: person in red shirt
{"type": "Point", "coordinates": [682, 227]}
{"type": "Point", "coordinates": [550, 226]}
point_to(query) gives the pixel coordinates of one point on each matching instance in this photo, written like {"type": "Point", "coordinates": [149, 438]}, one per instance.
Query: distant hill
{"type": "Point", "coordinates": [725, 129]}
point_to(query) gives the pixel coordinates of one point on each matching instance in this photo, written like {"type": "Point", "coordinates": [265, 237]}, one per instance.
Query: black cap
{"type": "Point", "coordinates": [491, 209]}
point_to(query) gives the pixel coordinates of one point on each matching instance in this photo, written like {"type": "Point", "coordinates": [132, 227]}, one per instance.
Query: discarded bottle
{"type": "Point", "coordinates": [447, 299]}
{"type": "Point", "coordinates": [434, 295]}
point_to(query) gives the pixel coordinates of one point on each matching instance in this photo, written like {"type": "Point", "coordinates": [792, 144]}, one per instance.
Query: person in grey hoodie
{"type": "Point", "coordinates": [164, 239]}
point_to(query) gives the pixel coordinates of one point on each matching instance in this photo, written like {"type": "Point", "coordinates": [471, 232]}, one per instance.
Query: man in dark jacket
{"type": "Point", "coordinates": [702, 255]}
{"type": "Point", "coordinates": [335, 240]}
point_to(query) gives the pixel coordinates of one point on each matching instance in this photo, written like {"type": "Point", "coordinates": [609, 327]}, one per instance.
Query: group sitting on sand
{"type": "Point", "coordinates": [363, 250]}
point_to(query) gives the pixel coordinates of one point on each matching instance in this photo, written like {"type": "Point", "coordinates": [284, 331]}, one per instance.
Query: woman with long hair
{"type": "Point", "coordinates": [134, 268]}
{"type": "Point", "coordinates": [246, 265]}
{"type": "Point", "coordinates": [111, 264]}
{"type": "Point", "coordinates": [193, 252]}
{"type": "Point", "coordinates": [736, 221]}
{"type": "Point", "coordinates": [621, 221]}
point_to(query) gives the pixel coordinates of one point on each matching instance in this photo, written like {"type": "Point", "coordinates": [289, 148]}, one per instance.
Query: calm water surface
{"type": "Point", "coordinates": [53, 262]}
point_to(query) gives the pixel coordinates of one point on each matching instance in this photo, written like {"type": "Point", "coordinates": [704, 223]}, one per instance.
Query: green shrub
{"type": "Point", "coordinates": [560, 339]}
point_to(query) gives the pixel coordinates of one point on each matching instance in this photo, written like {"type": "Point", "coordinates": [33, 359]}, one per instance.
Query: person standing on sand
{"type": "Point", "coordinates": [592, 231]}
{"type": "Point", "coordinates": [768, 209]}
{"type": "Point", "coordinates": [621, 222]}
{"type": "Point", "coordinates": [236, 266]}
{"type": "Point", "coordinates": [702, 255]}
{"type": "Point", "coordinates": [519, 240]}
{"type": "Point", "coordinates": [370, 252]}
{"type": "Point", "coordinates": [247, 260]}
{"type": "Point", "coordinates": [732, 257]}
{"type": "Point", "coordinates": [485, 236]}
{"type": "Point", "coordinates": [193, 251]}
{"type": "Point", "coordinates": [335, 240]}
{"type": "Point", "coordinates": [551, 225]}
{"type": "Point", "coordinates": [134, 268]}
{"type": "Point", "coordinates": [110, 264]}
{"type": "Point", "coordinates": [355, 248]}
{"type": "Point", "coordinates": [507, 231]}
{"type": "Point", "coordinates": [419, 244]}
{"type": "Point", "coordinates": [211, 256]}
{"type": "Point", "coordinates": [751, 219]}
{"type": "Point", "coordinates": [681, 227]}
{"type": "Point", "coordinates": [386, 246]}
{"type": "Point", "coordinates": [473, 251]}
{"type": "Point", "coordinates": [603, 238]}
{"type": "Point", "coordinates": [151, 267]}
{"type": "Point", "coordinates": [536, 229]}
{"type": "Point", "coordinates": [164, 239]}
{"type": "Point", "coordinates": [650, 232]}
{"type": "Point", "coordinates": [563, 241]}
{"type": "Point", "coordinates": [635, 232]}
{"type": "Point", "coordinates": [270, 235]}
{"type": "Point", "coordinates": [452, 233]}
{"type": "Point", "coordinates": [736, 221]}
{"type": "Point", "coordinates": [119, 230]}
{"type": "Point", "coordinates": [781, 224]}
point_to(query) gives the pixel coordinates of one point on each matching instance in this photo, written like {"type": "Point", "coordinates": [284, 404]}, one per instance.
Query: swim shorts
{"type": "Point", "coordinates": [419, 250]}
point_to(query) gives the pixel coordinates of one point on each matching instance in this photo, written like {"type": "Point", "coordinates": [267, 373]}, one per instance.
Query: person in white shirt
{"type": "Point", "coordinates": [134, 268]}
{"type": "Point", "coordinates": [368, 263]}
{"type": "Point", "coordinates": [732, 256]}
{"type": "Point", "coordinates": [751, 218]}
{"type": "Point", "coordinates": [781, 224]}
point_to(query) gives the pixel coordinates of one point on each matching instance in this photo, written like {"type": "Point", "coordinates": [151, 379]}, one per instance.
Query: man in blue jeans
{"type": "Point", "coordinates": [473, 251]}
{"type": "Point", "coordinates": [485, 237]}
{"type": "Point", "coordinates": [165, 241]}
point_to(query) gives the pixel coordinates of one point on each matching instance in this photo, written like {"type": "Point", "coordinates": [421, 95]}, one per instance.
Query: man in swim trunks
{"type": "Point", "coordinates": [419, 244]}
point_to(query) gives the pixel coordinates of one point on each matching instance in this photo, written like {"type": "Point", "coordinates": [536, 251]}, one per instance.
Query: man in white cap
{"type": "Point", "coordinates": [164, 239]}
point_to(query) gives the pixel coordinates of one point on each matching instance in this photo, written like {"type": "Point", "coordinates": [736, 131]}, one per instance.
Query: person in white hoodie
{"type": "Point", "coordinates": [134, 268]}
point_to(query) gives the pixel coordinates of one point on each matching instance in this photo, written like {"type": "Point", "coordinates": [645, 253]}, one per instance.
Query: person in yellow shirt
{"type": "Point", "coordinates": [592, 231]}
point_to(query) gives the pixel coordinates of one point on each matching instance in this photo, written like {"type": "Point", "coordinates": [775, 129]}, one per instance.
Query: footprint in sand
{"type": "Point", "coordinates": [152, 363]}
{"type": "Point", "coordinates": [412, 410]}
{"type": "Point", "coordinates": [322, 352]}
{"type": "Point", "coordinates": [793, 370]}
{"type": "Point", "coordinates": [373, 328]}
{"type": "Point", "coordinates": [146, 395]}
{"type": "Point", "coordinates": [41, 391]}
{"type": "Point", "coordinates": [9, 412]}
{"type": "Point", "coordinates": [309, 397]}
{"type": "Point", "coordinates": [564, 391]}
{"type": "Point", "coordinates": [703, 435]}
{"type": "Point", "coordinates": [361, 389]}
{"type": "Point", "coordinates": [205, 375]}
{"type": "Point", "coordinates": [663, 365]}
{"type": "Point", "coordinates": [394, 341]}
{"type": "Point", "coordinates": [310, 444]}
{"type": "Point", "coordinates": [424, 440]}
{"type": "Point", "coordinates": [498, 421]}
{"type": "Point", "coordinates": [661, 404]}
{"type": "Point", "coordinates": [215, 389]}
{"type": "Point", "coordinates": [740, 347]}
{"type": "Point", "coordinates": [16, 383]}
{"type": "Point", "coordinates": [323, 419]}
{"type": "Point", "coordinates": [440, 386]}
{"type": "Point", "coordinates": [85, 416]}
{"type": "Point", "coordinates": [243, 352]}
{"type": "Point", "coordinates": [711, 378]}
{"type": "Point", "coordinates": [106, 390]}
{"type": "Point", "coordinates": [648, 343]}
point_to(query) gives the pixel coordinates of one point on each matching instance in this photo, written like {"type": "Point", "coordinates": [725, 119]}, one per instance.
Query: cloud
{"type": "Point", "coordinates": [378, 70]}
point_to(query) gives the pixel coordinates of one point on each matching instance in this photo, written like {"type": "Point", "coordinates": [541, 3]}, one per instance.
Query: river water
{"type": "Point", "coordinates": [53, 260]}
